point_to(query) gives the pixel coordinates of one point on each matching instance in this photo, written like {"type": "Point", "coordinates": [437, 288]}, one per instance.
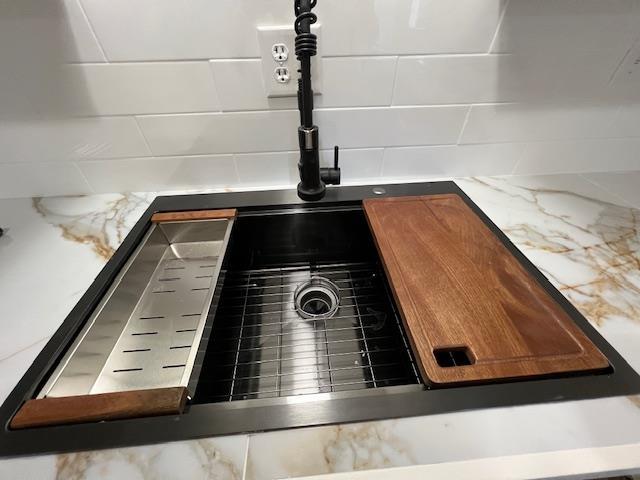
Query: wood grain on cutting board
{"type": "Point", "coordinates": [459, 289]}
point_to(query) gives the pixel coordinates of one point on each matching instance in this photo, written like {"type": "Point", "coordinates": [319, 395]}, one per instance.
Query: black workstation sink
{"type": "Point", "coordinates": [302, 331]}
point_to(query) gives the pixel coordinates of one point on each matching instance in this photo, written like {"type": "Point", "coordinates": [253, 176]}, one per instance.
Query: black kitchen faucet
{"type": "Point", "coordinates": [312, 177]}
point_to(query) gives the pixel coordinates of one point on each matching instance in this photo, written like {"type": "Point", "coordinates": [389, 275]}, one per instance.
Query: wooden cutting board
{"type": "Point", "coordinates": [471, 310]}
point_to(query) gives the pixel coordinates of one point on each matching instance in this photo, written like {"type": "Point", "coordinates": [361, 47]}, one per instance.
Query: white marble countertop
{"type": "Point", "coordinates": [581, 231]}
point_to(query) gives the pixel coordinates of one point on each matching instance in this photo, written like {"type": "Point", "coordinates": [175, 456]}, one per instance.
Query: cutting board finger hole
{"type": "Point", "coordinates": [454, 356]}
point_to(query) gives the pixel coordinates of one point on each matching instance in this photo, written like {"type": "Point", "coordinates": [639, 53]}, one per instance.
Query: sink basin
{"type": "Point", "coordinates": [277, 315]}
{"type": "Point", "coordinates": [262, 347]}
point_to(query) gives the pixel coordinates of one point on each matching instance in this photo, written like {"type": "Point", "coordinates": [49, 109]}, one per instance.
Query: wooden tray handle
{"type": "Point", "coordinates": [102, 406]}
{"type": "Point", "coordinates": [193, 215]}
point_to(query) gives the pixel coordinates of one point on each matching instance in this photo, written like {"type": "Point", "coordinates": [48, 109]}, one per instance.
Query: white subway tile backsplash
{"type": "Point", "coordinates": [627, 122]}
{"type": "Point", "coordinates": [552, 25]}
{"type": "Point", "coordinates": [46, 31]}
{"type": "Point", "coordinates": [582, 75]}
{"type": "Point", "coordinates": [36, 38]}
{"type": "Point", "coordinates": [149, 87]}
{"type": "Point", "coordinates": [170, 30]}
{"type": "Point", "coordinates": [221, 132]}
{"type": "Point", "coordinates": [281, 168]}
{"type": "Point", "coordinates": [157, 174]}
{"type": "Point", "coordinates": [165, 29]}
{"type": "Point", "coordinates": [451, 160]}
{"type": "Point", "coordinates": [454, 79]}
{"type": "Point", "coordinates": [530, 122]}
{"type": "Point", "coordinates": [388, 27]}
{"type": "Point", "coordinates": [69, 139]}
{"type": "Point", "coordinates": [277, 130]}
{"type": "Point", "coordinates": [580, 156]}
{"type": "Point", "coordinates": [268, 169]}
{"type": "Point", "coordinates": [384, 127]}
{"type": "Point", "coordinates": [162, 94]}
{"type": "Point", "coordinates": [41, 179]}
{"type": "Point", "coordinates": [623, 185]}
{"type": "Point", "coordinates": [357, 81]}
{"type": "Point", "coordinates": [240, 85]}
{"type": "Point", "coordinates": [529, 76]}
{"type": "Point", "coordinates": [80, 41]}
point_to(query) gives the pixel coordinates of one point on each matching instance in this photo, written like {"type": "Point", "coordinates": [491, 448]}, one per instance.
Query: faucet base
{"type": "Point", "coordinates": [311, 194]}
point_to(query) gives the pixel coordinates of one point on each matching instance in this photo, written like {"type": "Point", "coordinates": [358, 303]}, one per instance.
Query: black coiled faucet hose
{"type": "Point", "coordinates": [306, 43]}
{"type": "Point", "coordinates": [306, 46]}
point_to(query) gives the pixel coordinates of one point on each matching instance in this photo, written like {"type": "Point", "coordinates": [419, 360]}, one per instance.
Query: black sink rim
{"type": "Point", "coordinates": [207, 420]}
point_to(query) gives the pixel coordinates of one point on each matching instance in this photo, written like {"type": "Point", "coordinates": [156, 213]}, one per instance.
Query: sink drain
{"type": "Point", "coordinates": [317, 298]}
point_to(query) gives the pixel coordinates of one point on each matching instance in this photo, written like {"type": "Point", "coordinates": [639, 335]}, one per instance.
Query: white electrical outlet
{"type": "Point", "coordinates": [279, 62]}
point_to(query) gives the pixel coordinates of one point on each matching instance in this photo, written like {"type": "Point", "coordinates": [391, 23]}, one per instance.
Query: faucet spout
{"type": "Point", "coordinates": [313, 179]}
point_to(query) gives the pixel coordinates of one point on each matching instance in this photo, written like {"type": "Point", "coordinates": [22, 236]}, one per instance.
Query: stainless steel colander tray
{"type": "Point", "coordinates": [145, 332]}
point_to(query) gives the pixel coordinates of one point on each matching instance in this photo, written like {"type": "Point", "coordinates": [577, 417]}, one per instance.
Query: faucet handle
{"type": "Point", "coordinates": [332, 175]}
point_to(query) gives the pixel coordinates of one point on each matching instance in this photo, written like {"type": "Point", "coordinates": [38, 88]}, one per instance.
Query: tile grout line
{"type": "Point", "coordinates": [235, 167]}
{"type": "Point", "coordinates": [322, 149]}
{"type": "Point", "coordinates": [92, 30]}
{"type": "Point", "coordinates": [414, 55]}
{"type": "Point", "coordinates": [144, 138]}
{"type": "Point", "coordinates": [498, 27]}
{"type": "Point", "coordinates": [84, 177]}
{"type": "Point", "coordinates": [381, 169]}
{"type": "Point", "coordinates": [285, 151]}
{"type": "Point", "coordinates": [606, 190]}
{"type": "Point", "coordinates": [326, 57]}
{"type": "Point", "coordinates": [395, 80]}
{"type": "Point", "coordinates": [464, 125]}
{"type": "Point", "coordinates": [293, 109]}
{"type": "Point", "coordinates": [525, 149]}
{"type": "Point", "coordinates": [212, 76]}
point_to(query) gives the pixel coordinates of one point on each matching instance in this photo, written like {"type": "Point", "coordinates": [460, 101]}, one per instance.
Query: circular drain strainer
{"type": "Point", "coordinates": [317, 298]}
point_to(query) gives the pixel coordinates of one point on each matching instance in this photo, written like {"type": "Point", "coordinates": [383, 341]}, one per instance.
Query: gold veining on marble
{"type": "Point", "coordinates": [322, 450]}
{"type": "Point", "coordinates": [608, 246]}
{"type": "Point", "coordinates": [194, 459]}
{"type": "Point", "coordinates": [635, 399]}
{"type": "Point", "coordinates": [365, 446]}
{"type": "Point", "coordinates": [102, 228]}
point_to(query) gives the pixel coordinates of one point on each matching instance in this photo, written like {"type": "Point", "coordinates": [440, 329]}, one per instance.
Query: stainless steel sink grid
{"type": "Point", "coordinates": [146, 331]}
{"type": "Point", "coordinates": [261, 348]}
